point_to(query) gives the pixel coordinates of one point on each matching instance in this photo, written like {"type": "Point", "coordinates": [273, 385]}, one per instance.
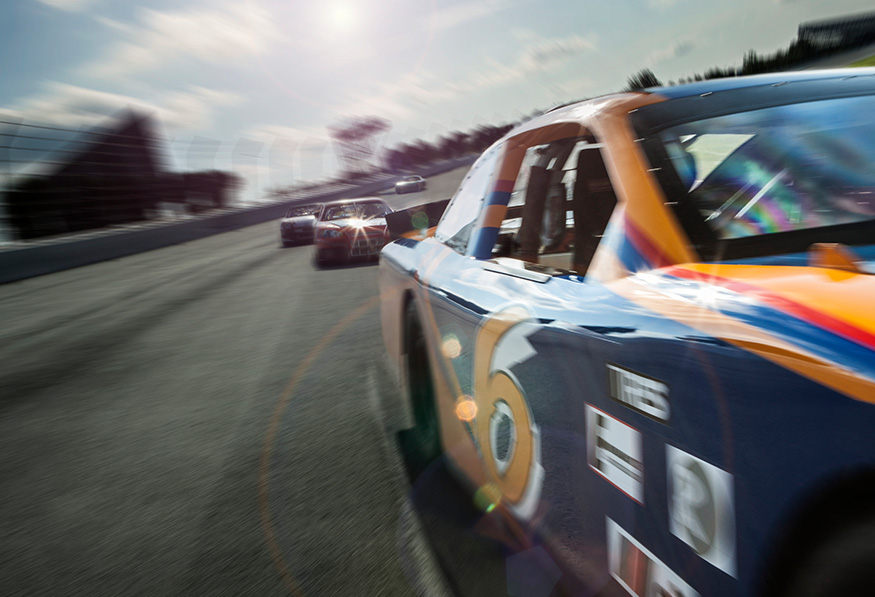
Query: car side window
{"type": "Point", "coordinates": [560, 206]}
{"type": "Point", "coordinates": [458, 220]}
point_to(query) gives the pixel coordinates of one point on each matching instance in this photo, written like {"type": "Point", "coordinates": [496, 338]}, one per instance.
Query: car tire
{"type": "Point", "coordinates": [843, 564]}
{"type": "Point", "coordinates": [421, 445]}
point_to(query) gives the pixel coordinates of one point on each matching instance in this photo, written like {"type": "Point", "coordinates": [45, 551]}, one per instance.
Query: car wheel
{"type": "Point", "coordinates": [420, 445]}
{"type": "Point", "coordinates": [841, 565]}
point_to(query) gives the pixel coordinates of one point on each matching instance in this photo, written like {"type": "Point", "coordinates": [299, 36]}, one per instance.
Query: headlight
{"type": "Point", "coordinates": [330, 233]}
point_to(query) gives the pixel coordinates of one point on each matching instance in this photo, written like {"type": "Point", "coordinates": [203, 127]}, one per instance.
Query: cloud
{"type": "Point", "coordinates": [679, 48]}
{"type": "Point", "coordinates": [115, 25]}
{"type": "Point", "coordinates": [68, 5]}
{"type": "Point", "coordinates": [194, 109]}
{"type": "Point", "coordinates": [463, 12]}
{"type": "Point", "coordinates": [408, 99]}
{"type": "Point", "coordinates": [662, 4]}
{"type": "Point", "coordinates": [523, 34]}
{"type": "Point", "coordinates": [70, 106]}
{"type": "Point", "coordinates": [405, 99]}
{"type": "Point", "coordinates": [551, 52]}
{"type": "Point", "coordinates": [537, 57]}
{"type": "Point", "coordinates": [219, 35]}
{"type": "Point", "coordinates": [311, 139]}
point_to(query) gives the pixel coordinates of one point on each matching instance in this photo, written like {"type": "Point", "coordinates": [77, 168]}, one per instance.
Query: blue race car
{"type": "Point", "coordinates": [643, 333]}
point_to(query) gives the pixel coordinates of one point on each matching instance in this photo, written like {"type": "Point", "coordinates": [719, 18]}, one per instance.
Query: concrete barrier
{"type": "Point", "coordinates": [53, 255]}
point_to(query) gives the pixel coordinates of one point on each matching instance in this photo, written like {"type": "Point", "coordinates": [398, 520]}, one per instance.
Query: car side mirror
{"type": "Point", "coordinates": [416, 222]}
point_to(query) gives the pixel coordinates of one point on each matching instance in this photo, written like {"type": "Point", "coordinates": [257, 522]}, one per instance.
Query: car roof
{"type": "Point", "coordinates": [656, 108]}
{"type": "Point", "coordinates": [354, 200]}
{"type": "Point", "coordinates": [769, 79]}
{"type": "Point", "coordinates": [706, 99]}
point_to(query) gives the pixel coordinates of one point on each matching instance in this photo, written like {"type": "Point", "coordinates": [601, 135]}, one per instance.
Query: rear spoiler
{"type": "Point", "coordinates": [416, 222]}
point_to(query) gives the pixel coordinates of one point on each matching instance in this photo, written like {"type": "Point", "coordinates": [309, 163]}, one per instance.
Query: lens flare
{"type": "Point", "coordinates": [487, 497]}
{"type": "Point", "coordinates": [419, 220]}
{"type": "Point", "coordinates": [466, 408]}
{"type": "Point", "coordinates": [451, 347]}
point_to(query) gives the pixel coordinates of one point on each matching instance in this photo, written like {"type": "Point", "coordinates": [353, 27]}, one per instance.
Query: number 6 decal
{"type": "Point", "coordinates": [505, 429]}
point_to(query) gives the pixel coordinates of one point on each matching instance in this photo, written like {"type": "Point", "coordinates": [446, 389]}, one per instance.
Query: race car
{"type": "Point", "coordinates": [643, 334]}
{"type": "Point", "coordinates": [351, 228]}
{"type": "Point", "coordinates": [298, 224]}
{"type": "Point", "coordinates": [410, 184]}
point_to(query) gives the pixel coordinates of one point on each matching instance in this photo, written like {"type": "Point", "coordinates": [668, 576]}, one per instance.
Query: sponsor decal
{"type": "Point", "coordinates": [639, 571]}
{"type": "Point", "coordinates": [613, 450]}
{"type": "Point", "coordinates": [504, 427]}
{"type": "Point", "coordinates": [701, 508]}
{"type": "Point", "coordinates": [646, 395]}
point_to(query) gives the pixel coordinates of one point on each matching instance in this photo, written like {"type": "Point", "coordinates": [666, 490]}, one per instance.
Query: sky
{"type": "Point", "coordinates": [252, 85]}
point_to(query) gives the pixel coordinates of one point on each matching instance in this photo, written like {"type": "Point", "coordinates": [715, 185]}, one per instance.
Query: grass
{"type": "Point", "coordinates": [870, 61]}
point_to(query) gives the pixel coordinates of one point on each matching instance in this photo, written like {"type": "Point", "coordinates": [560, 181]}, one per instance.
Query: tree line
{"type": "Point", "coordinates": [798, 53]}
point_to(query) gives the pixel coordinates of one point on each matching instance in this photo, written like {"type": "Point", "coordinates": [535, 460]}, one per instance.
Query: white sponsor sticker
{"type": "Point", "coordinates": [639, 571]}
{"type": "Point", "coordinates": [613, 450]}
{"type": "Point", "coordinates": [701, 508]}
{"type": "Point", "coordinates": [643, 394]}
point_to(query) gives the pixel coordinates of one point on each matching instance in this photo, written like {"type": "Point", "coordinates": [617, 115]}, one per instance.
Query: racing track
{"type": "Point", "coordinates": [205, 419]}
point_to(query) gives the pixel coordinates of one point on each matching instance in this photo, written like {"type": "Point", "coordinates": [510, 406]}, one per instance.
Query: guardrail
{"type": "Point", "coordinates": [53, 255]}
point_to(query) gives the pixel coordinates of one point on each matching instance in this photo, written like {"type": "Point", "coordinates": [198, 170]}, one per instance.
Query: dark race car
{"type": "Point", "coordinates": [350, 229]}
{"type": "Point", "coordinates": [298, 225]}
{"type": "Point", "coordinates": [643, 333]}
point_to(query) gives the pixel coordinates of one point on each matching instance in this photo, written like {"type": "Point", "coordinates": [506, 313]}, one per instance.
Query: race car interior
{"type": "Point", "coordinates": [559, 208]}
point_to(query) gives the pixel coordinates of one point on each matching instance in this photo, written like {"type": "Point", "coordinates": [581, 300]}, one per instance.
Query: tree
{"type": "Point", "coordinates": [642, 80]}
{"type": "Point", "coordinates": [354, 138]}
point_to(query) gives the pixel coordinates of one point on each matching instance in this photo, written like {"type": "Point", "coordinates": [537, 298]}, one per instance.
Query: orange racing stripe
{"type": "Point", "coordinates": [749, 338]}
{"type": "Point", "coordinates": [836, 301]}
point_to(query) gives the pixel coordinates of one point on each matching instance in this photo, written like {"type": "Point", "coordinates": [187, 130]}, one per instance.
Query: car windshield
{"type": "Point", "coordinates": [303, 210]}
{"type": "Point", "coordinates": [355, 210]}
{"type": "Point", "coordinates": [790, 168]}
{"type": "Point", "coordinates": [373, 210]}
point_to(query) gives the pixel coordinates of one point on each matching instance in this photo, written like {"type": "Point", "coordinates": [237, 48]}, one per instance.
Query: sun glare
{"type": "Point", "coordinates": [341, 17]}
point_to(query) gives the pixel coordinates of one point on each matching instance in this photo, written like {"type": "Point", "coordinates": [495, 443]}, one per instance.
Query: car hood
{"type": "Point", "coordinates": [355, 223]}
{"type": "Point", "coordinates": [817, 321]}
{"type": "Point", "coordinates": [300, 220]}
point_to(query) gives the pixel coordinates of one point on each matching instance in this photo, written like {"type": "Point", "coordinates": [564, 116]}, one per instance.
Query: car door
{"type": "Point", "coordinates": [517, 340]}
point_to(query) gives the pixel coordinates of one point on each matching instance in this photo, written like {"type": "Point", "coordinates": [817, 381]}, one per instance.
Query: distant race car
{"type": "Point", "coordinates": [410, 184]}
{"type": "Point", "coordinates": [298, 224]}
{"type": "Point", "coordinates": [351, 228]}
{"type": "Point", "coordinates": [643, 332]}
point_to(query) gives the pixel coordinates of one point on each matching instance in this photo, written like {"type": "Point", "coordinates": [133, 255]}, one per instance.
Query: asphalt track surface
{"type": "Point", "coordinates": [207, 419]}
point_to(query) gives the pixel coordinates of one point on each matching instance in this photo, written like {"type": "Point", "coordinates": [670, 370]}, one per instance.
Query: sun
{"type": "Point", "coordinates": [341, 17]}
